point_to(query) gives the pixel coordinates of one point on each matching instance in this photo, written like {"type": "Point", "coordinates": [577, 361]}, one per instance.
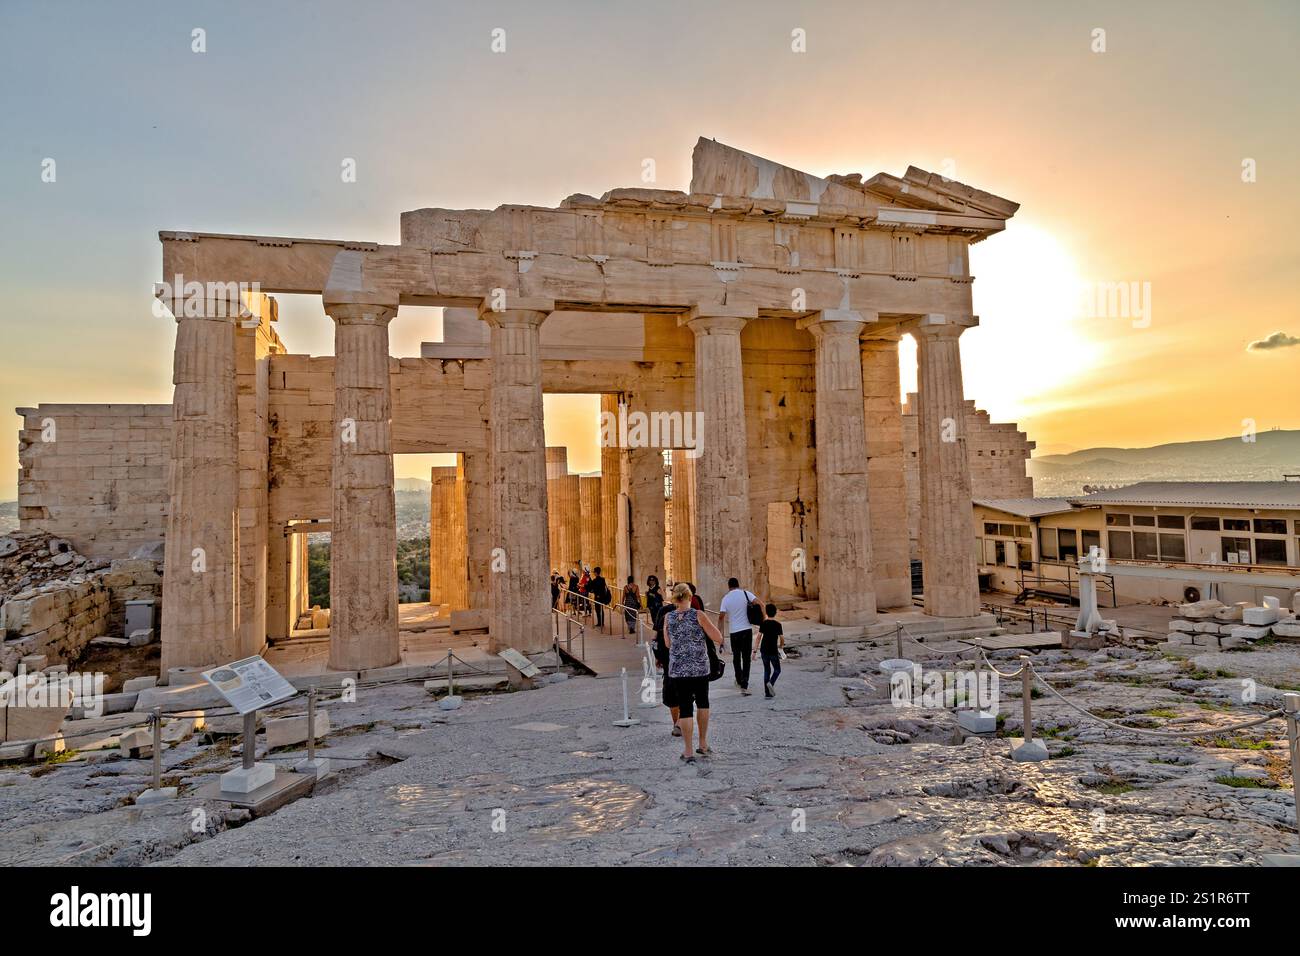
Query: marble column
{"type": "Point", "coordinates": [592, 540]}
{"type": "Point", "coordinates": [611, 483]}
{"type": "Point", "coordinates": [567, 503]}
{"type": "Point", "coordinates": [363, 538]}
{"type": "Point", "coordinates": [448, 534]}
{"type": "Point", "coordinates": [519, 576]}
{"type": "Point", "coordinates": [474, 474]}
{"type": "Point", "coordinates": [683, 539]}
{"type": "Point", "coordinates": [200, 609]}
{"type": "Point", "coordinates": [722, 523]}
{"type": "Point", "coordinates": [255, 342]}
{"type": "Point", "coordinates": [947, 520]}
{"type": "Point", "coordinates": [646, 504]}
{"type": "Point", "coordinates": [886, 480]}
{"type": "Point", "coordinates": [846, 593]}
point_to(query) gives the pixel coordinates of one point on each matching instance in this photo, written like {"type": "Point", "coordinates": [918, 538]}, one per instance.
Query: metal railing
{"type": "Point", "coordinates": [1037, 580]}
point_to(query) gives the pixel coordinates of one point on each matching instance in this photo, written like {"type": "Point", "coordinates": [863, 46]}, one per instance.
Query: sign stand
{"type": "Point", "coordinates": [248, 685]}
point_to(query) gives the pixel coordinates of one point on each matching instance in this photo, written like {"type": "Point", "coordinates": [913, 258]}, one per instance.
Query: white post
{"type": "Point", "coordinates": [628, 720]}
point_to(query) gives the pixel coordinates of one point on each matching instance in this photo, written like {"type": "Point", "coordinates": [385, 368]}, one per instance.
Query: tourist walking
{"type": "Point", "coordinates": [571, 599]}
{"type": "Point", "coordinates": [555, 588]}
{"type": "Point", "coordinates": [737, 624]}
{"type": "Point", "coordinates": [654, 596]}
{"type": "Point", "coordinates": [685, 633]}
{"type": "Point", "coordinates": [631, 603]}
{"type": "Point", "coordinates": [599, 590]}
{"type": "Point", "coordinates": [771, 640]}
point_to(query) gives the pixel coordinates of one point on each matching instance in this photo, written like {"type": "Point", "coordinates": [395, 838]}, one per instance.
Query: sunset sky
{"type": "Point", "coordinates": [1128, 165]}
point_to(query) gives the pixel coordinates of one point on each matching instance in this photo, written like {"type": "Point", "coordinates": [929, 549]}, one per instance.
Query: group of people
{"type": "Point", "coordinates": [684, 649]}
{"type": "Point", "coordinates": [586, 593]}
{"type": "Point", "coordinates": [685, 639]}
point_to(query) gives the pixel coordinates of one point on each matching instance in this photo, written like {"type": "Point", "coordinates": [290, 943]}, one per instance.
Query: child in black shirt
{"type": "Point", "coordinates": [771, 640]}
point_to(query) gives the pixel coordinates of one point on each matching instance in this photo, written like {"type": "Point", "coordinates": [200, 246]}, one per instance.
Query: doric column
{"type": "Point", "coordinates": [611, 486]}
{"type": "Point", "coordinates": [474, 474]}
{"type": "Point", "coordinates": [363, 538]}
{"type": "Point", "coordinates": [200, 612]}
{"type": "Point", "coordinates": [947, 521]}
{"type": "Point", "coordinates": [519, 579]}
{"type": "Point", "coordinates": [847, 595]}
{"type": "Point", "coordinates": [683, 540]}
{"type": "Point", "coordinates": [592, 541]}
{"type": "Point", "coordinates": [886, 482]}
{"type": "Point", "coordinates": [722, 542]}
{"type": "Point", "coordinates": [255, 342]}
{"type": "Point", "coordinates": [646, 504]}
{"type": "Point", "coordinates": [448, 575]}
{"type": "Point", "coordinates": [567, 503]}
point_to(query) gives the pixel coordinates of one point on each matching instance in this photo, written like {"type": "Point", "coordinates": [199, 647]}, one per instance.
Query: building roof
{"type": "Point", "coordinates": [1027, 507]}
{"type": "Point", "coordinates": [1223, 494]}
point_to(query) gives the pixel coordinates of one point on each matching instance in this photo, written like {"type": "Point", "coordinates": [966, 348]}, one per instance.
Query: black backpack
{"type": "Point", "coordinates": [754, 612]}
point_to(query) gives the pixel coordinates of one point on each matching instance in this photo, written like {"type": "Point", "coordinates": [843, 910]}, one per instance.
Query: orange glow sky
{"type": "Point", "coordinates": [1127, 165]}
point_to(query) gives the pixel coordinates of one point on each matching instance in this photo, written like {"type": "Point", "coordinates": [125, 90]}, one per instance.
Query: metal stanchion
{"type": "Point", "coordinates": [450, 700]}
{"type": "Point", "coordinates": [628, 720]}
{"type": "Point", "coordinates": [155, 719]}
{"type": "Point", "coordinates": [1291, 707]}
{"type": "Point", "coordinates": [898, 642]}
{"type": "Point", "coordinates": [1026, 695]}
{"type": "Point", "coordinates": [313, 765]}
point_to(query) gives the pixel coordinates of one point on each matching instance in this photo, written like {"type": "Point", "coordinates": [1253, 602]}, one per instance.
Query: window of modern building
{"type": "Point", "coordinates": [1235, 547]}
{"type": "Point", "coordinates": [1069, 544]}
{"type": "Point", "coordinates": [1171, 521]}
{"type": "Point", "coordinates": [1144, 521]}
{"type": "Point", "coordinates": [1047, 547]}
{"type": "Point", "coordinates": [1145, 546]}
{"type": "Point", "coordinates": [1236, 524]}
{"type": "Point", "coordinates": [1117, 520]}
{"type": "Point", "coordinates": [1091, 539]}
{"type": "Point", "coordinates": [1270, 550]}
{"type": "Point", "coordinates": [1173, 547]}
{"type": "Point", "coordinates": [1270, 526]}
{"type": "Point", "coordinates": [1121, 544]}
{"type": "Point", "coordinates": [1203, 523]}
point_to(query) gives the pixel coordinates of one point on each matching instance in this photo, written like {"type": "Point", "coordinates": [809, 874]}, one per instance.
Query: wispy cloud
{"type": "Point", "coordinates": [1278, 340]}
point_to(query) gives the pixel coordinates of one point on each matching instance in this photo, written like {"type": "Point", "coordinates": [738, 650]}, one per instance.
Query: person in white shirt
{"type": "Point", "coordinates": [735, 623]}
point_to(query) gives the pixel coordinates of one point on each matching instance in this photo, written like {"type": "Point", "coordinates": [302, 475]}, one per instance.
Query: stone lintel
{"type": "Point", "coordinates": [845, 319]}
{"type": "Point", "coordinates": [491, 306]}
{"type": "Point", "coordinates": [936, 322]}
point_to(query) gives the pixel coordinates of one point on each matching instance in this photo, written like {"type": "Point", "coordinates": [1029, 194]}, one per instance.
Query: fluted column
{"type": "Point", "coordinates": [474, 475]}
{"type": "Point", "coordinates": [646, 503]}
{"type": "Point", "coordinates": [519, 576]}
{"type": "Point", "coordinates": [886, 480]}
{"type": "Point", "coordinates": [611, 486]}
{"type": "Point", "coordinates": [363, 538]}
{"type": "Point", "coordinates": [683, 540]}
{"type": "Point", "coordinates": [947, 521]}
{"type": "Point", "coordinates": [846, 592]}
{"type": "Point", "coordinates": [200, 612]}
{"type": "Point", "coordinates": [592, 540]}
{"type": "Point", "coordinates": [448, 575]}
{"type": "Point", "coordinates": [722, 542]}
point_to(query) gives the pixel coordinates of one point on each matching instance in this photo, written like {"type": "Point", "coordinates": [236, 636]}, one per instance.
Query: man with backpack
{"type": "Point", "coordinates": [740, 611]}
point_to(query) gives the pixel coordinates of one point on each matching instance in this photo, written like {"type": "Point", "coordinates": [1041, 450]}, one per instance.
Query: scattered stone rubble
{"type": "Point", "coordinates": [1228, 626]}
{"type": "Point", "coordinates": [54, 602]}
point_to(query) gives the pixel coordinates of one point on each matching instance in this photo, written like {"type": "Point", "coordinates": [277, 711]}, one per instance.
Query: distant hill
{"type": "Point", "coordinates": [8, 516]}
{"type": "Point", "coordinates": [412, 484]}
{"type": "Point", "coordinates": [1267, 458]}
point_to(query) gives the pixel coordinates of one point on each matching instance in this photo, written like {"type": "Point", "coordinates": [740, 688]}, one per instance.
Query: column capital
{"type": "Point", "coordinates": [939, 325]}
{"type": "Point", "coordinates": [838, 322]}
{"type": "Point", "coordinates": [360, 313]}
{"type": "Point", "coordinates": [522, 306]}
{"type": "Point", "coordinates": [714, 319]}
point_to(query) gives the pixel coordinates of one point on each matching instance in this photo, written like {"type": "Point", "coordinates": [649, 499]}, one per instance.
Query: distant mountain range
{"type": "Point", "coordinates": [413, 484]}
{"type": "Point", "coordinates": [1271, 455]}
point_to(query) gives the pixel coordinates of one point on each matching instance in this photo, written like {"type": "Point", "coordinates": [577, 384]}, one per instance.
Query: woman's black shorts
{"type": "Point", "coordinates": [690, 693]}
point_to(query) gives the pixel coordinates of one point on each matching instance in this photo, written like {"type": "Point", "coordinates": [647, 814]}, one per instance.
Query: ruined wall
{"type": "Point", "coordinates": [95, 474]}
{"type": "Point", "coordinates": [998, 453]}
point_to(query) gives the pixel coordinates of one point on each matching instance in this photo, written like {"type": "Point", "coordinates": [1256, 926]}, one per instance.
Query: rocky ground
{"type": "Point", "coordinates": [827, 773]}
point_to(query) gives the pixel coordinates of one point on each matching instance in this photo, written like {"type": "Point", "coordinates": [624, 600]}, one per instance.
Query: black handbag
{"type": "Point", "coordinates": [717, 666]}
